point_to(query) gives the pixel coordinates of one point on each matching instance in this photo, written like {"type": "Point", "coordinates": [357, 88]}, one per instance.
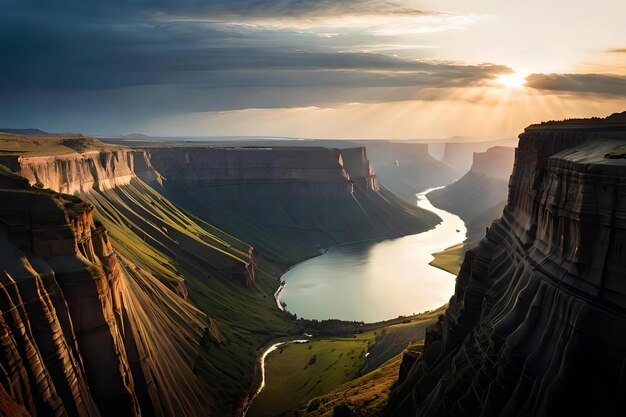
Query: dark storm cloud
{"type": "Point", "coordinates": [600, 84]}
{"type": "Point", "coordinates": [70, 53]}
{"type": "Point", "coordinates": [97, 62]}
{"type": "Point", "coordinates": [218, 9]}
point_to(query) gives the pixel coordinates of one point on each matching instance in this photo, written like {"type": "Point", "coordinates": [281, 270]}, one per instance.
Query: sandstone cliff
{"type": "Point", "coordinates": [536, 325]}
{"type": "Point", "coordinates": [74, 319]}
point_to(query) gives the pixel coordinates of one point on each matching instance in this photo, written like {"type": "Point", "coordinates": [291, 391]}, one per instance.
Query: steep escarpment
{"type": "Point", "coordinates": [536, 324]}
{"type": "Point", "coordinates": [310, 197]}
{"type": "Point", "coordinates": [480, 195]}
{"type": "Point", "coordinates": [407, 168]}
{"type": "Point", "coordinates": [74, 333]}
{"type": "Point", "coordinates": [459, 155]}
{"type": "Point", "coordinates": [169, 256]}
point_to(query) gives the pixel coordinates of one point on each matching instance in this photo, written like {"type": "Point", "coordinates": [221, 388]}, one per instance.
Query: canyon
{"type": "Point", "coordinates": [140, 280]}
{"type": "Point", "coordinates": [129, 296]}
{"type": "Point", "coordinates": [478, 198]}
{"type": "Point", "coordinates": [536, 321]}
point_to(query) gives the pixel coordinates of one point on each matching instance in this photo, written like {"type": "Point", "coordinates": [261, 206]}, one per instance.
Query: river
{"type": "Point", "coordinates": [373, 281]}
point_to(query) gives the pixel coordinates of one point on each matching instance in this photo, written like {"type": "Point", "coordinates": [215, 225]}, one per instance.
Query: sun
{"type": "Point", "coordinates": [513, 80]}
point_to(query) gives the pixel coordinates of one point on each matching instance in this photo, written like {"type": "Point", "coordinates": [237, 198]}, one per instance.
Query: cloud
{"type": "Point", "coordinates": [608, 85]}
{"type": "Point", "coordinates": [223, 9]}
{"type": "Point", "coordinates": [61, 55]}
{"type": "Point", "coordinates": [116, 62]}
{"type": "Point", "coordinates": [618, 50]}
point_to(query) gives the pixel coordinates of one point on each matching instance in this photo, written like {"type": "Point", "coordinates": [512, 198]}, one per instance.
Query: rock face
{"type": "Point", "coordinates": [460, 155]}
{"type": "Point", "coordinates": [304, 197]}
{"type": "Point", "coordinates": [81, 336]}
{"type": "Point", "coordinates": [480, 195]}
{"type": "Point", "coordinates": [537, 322]}
{"type": "Point", "coordinates": [408, 168]}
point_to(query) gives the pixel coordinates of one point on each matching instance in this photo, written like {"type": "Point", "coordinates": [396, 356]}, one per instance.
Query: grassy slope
{"type": "Point", "coordinates": [450, 259]}
{"type": "Point", "coordinates": [365, 396]}
{"type": "Point", "coordinates": [157, 236]}
{"type": "Point", "coordinates": [293, 229]}
{"type": "Point", "coordinates": [291, 381]}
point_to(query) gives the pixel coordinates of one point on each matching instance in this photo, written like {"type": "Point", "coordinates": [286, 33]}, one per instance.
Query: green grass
{"type": "Point", "coordinates": [365, 396]}
{"type": "Point", "coordinates": [173, 245]}
{"type": "Point", "coordinates": [449, 260]}
{"type": "Point", "coordinates": [291, 381]}
{"type": "Point", "coordinates": [28, 145]}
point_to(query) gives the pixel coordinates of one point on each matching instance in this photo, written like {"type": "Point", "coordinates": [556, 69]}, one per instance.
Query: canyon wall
{"type": "Point", "coordinates": [537, 321]}
{"type": "Point", "coordinates": [481, 194]}
{"type": "Point", "coordinates": [185, 305]}
{"type": "Point", "coordinates": [80, 336]}
{"type": "Point", "coordinates": [311, 197]}
{"type": "Point", "coordinates": [157, 261]}
{"type": "Point", "coordinates": [407, 168]}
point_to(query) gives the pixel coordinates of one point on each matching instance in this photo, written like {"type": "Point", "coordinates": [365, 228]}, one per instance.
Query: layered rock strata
{"type": "Point", "coordinates": [480, 195]}
{"type": "Point", "coordinates": [312, 197]}
{"type": "Point", "coordinates": [82, 335]}
{"type": "Point", "coordinates": [537, 322]}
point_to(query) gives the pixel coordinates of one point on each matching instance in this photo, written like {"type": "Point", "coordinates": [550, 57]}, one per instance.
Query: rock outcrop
{"type": "Point", "coordinates": [480, 195]}
{"type": "Point", "coordinates": [407, 168]}
{"type": "Point", "coordinates": [81, 335]}
{"type": "Point", "coordinates": [536, 325]}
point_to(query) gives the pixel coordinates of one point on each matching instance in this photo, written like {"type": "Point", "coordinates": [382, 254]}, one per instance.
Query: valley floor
{"type": "Point", "coordinates": [326, 369]}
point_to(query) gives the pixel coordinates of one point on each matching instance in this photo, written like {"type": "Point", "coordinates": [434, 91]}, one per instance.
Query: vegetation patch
{"type": "Point", "coordinates": [449, 260]}
{"type": "Point", "coordinates": [300, 374]}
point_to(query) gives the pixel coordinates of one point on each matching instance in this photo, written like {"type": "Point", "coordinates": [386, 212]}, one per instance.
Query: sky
{"type": "Point", "coordinates": [351, 69]}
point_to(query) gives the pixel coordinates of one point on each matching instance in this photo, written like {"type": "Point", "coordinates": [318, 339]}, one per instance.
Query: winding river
{"type": "Point", "coordinates": [373, 281]}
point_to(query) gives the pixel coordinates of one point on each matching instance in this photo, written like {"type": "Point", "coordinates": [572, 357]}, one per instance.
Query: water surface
{"type": "Point", "coordinates": [373, 281]}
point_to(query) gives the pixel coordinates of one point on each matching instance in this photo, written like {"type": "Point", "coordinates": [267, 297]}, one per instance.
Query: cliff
{"type": "Point", "coordinates": [75, 320]}
{"type": "Point", "coordinates": [181, 359]}
{"type": "Point", "coordinates": [407, 168]}
{"type": "Point", "coordinates": [536, 324]}
{"type": "Point", "coordinates": [460, 155]}
{"type": "Point", "coordinates": [480, 195]}
{"type": "Point", "coordinates": [303, 198]}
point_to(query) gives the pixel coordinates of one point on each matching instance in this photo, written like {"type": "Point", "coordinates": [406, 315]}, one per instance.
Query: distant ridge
{"type": "Point", "coordinates": [24, 131]}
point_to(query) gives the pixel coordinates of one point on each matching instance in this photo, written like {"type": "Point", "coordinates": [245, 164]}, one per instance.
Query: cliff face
{"type": "Point", "coordinates": [536, 325]}
{"type": "Point", "coordinates": [165, 357]}
{"type": "Point", "coordinates": [72, 321]}
{"type": "Point", "coordinates": [480, 195]}
{"type": "Point", "coordinates": [460, 156]}
{"type": "Point", "coordinates": [303, 198]}
{"type": "Point", "coordinates": [408, 168]}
